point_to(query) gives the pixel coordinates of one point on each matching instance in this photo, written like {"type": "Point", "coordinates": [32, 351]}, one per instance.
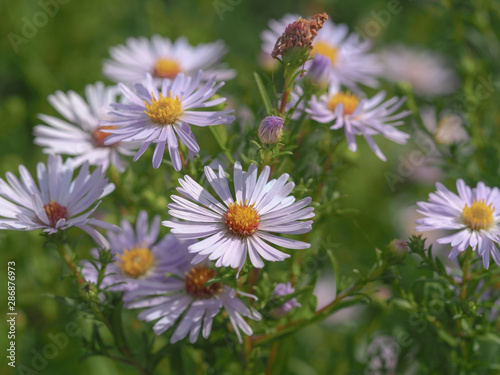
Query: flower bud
{"type": "Point", "coordinates": [88, 291]}
{"type": "Point", "coordinates": [396, 251]}
{"type": "Point", "coordinates": [270, 130]}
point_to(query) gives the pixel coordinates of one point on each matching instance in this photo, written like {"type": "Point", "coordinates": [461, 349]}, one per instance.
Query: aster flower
{"type": "Point", "coordinates": [339, 57]}
{"type": "Point", "coordinates": [139, 255]}
{"type": "Point", "coordinates": [425, 70]}
{"type": "Point", "coordinates": [473, 215]}
{"type": "Point", "coordinates": [80, 135]}
{"type": "Point", "coordinates": [185, 294]}
{"type": "Point", "coordinates": [162, 58]}
{"type": "Point", "coordinates": [161, 116]}
{"type": "Point", "coordinates": [239, 226]}
{"type": "Point", "coordinates": [366, 117]}
{"type": "Point", "coordinates": [57, 202]}
{"type": "Point", "coordinates": [283, 289]}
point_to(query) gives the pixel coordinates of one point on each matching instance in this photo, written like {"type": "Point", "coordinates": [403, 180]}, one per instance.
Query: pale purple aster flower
{"type": "Point", "coordinates": [473, 215]}
{"type": "Point", "coordinates": [366, 117]}
{"type": "Point", "coordinates": [57, 202]}
{"type": "Point", "coordinates": [80, 135]}
{"type": "Point", "coordinates": [162, 116]}
{"type": "Point", "coordinates": [139, 255]}
{"type": "Point", "coordinates": [427, 71]}
{"type": "Point", "coordinates": [270, 130]}
{"type": "Point", "coordinates": [242, 225]}
{"type": "Point", "coordinates": [185, 297]}
{"type": "Point", "coordinates": [161, 58]}
{"type": "Point", "coordinates": [283, 289]}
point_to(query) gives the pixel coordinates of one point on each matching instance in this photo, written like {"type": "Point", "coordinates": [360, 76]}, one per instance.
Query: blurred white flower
{"type": "Point", "coordinates": [425, 70]}
{"type": "Point", "coordinates": [161, 58]}
{"type": "Point", "coordinates": [448, 128]}
{"type": "Point", "coordinates": [80, 135]}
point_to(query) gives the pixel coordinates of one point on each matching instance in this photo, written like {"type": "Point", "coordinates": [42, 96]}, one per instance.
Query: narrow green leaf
{"type": "Point", "coordinates": [263, 94]}
{"type": "Point", "coordinates": [336, 269]}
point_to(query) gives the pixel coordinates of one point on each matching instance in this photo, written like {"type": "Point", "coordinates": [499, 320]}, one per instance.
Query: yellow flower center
{"type": "Point", "coordinates": [166, 68]}
{"type": "Point", "coordinates": [55, 212]}
{"type": "Point", "coordinates": [165, 110]}
{"type": "Point", "coordinates": [136, 262]}
{"type": "Point", "coordinates": [350, 102]}
{"type": "Point", "coordinates": [326, 50]}
{"type": "Point", "coordinates": [242, 219]}
{"type": "Point", "coordinates": [478, 216]}
{"type": "Point", "coordinates": [99, 135]}
{"type": "Point", "coordinates": [195, 282]}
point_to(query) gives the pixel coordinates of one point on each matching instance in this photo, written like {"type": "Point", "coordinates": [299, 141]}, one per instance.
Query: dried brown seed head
{"type": "Point", "coordinates": [300, 33]}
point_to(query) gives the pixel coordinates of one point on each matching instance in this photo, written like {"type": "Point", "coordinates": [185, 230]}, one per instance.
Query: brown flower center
{"type": "Point", "coordinates": [99, 135]}
{"type": "Point", "coordinates": [195, 282]}
{"type": "Point", "coordinates": [55, 212]}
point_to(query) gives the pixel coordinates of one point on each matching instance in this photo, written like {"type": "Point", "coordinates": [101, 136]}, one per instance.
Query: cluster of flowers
{"type": "Point", "coordinates": [163, 89]}
{"type": "Point", "coordinates": [161, 92]}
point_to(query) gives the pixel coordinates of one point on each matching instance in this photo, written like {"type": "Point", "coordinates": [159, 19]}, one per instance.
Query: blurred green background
{"type": "Point", "coordinates": [67, 53]}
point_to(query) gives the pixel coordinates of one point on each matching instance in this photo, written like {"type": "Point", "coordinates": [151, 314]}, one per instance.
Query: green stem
{"type": "Point", "coordinates": [339, 303]}
{"type": "Point", "coordinates": [465, 277]}
{"type": "Point", "coordinates": [64, 251]}
{"type": "Point", "coordinates": [221, 144]}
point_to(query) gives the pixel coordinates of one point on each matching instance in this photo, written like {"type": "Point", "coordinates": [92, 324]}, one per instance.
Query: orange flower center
{"type": "Point", "coordinates": [55, 212]}
{"type": "Point", "coordinates": [136, 262]}
{"type": "Point", "coordinates": [242, 219]}
{"type": "Point", "coordinates": [350, 102]}
{"type": "Point", "coordinates": [195, 282]}
{"type": "Point", "coordinates": [166, 68]}
{"type": "Point", "coordinates": [99, 135]}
